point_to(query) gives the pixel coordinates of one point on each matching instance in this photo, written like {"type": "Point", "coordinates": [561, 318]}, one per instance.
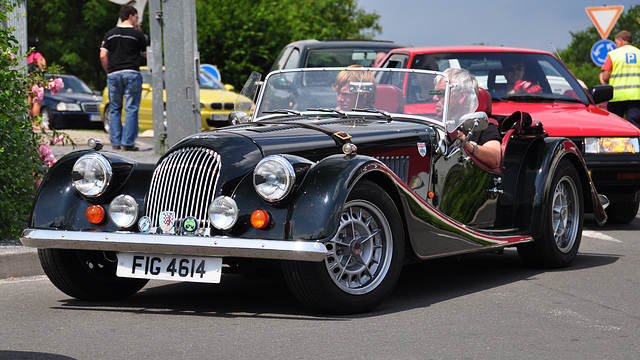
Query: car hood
{"type": "Point", "coordinates": [570, 119]}
{"type": "Point", "coordinates": [219, 95]}
{"type": "Point", "coordinates": [74, 97]}
{"type": "Point", "coordinates": [310, 139]}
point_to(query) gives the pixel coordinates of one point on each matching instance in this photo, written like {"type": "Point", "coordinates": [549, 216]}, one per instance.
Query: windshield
{"type": "Point", "coordinates": [345, 57]}
{"type": "Point", "coordinates": [510, 75]}
{"type": "Point", "coordinates": [421, 94]}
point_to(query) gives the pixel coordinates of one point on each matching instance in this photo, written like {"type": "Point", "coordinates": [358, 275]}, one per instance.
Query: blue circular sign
{"type": "Point", "coordinates": [600, 50]}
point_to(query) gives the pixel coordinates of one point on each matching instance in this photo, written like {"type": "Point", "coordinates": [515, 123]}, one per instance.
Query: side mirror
{"type": "Point", "coordinates": [238, 117]}
{"type": "Point", "coordinates": [601, 93]}
{"type": "Point", "coordinates": [476, 121]}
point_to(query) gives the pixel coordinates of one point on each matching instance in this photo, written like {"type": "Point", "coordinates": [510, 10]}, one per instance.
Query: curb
{"type": "Point", "coordinates": [20, 264]}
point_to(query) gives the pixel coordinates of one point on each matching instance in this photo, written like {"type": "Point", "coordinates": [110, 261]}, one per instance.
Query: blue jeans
{"type": "Point", "coordinates": [128, 85]}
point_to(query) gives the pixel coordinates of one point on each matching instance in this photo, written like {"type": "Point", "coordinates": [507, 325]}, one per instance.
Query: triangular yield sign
{"type": "Point", "coordinates": [604, 17]}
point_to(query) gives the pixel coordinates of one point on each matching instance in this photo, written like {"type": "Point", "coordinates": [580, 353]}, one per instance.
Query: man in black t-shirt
{"type": "Point", "coordinates": [120, 57]}
{"type": "Point", "coordinates": [483, 145]}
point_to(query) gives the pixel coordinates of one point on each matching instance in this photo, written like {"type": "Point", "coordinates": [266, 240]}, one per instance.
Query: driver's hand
{"type": "Point", "coordinates": [526, 86]}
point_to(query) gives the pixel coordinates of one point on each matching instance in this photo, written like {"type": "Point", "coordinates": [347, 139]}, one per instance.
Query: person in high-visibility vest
{"type": "Point", "coordinates": [622, 71]}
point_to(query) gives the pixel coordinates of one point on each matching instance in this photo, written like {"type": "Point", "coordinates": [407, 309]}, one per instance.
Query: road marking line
{"type": "Point", "coordinates": [599, 235]}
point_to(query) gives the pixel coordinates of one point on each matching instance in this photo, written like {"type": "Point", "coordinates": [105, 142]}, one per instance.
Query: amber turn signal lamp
{"type": "Point", "coordinates": [95, 214]}
{"type": "Point", "coordinates": [260, 219]}
{"type": "Point", "coordinates": [431, 194]}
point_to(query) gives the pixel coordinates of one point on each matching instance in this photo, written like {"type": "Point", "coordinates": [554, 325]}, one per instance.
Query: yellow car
{"type": "Point", "coordinates": [216, 102]}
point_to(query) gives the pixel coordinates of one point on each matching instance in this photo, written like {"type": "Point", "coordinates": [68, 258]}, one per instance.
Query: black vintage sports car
{"type": "Point", "coordinates": [337, 198]}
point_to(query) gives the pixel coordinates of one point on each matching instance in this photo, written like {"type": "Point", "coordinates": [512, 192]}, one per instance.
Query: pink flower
{"type": "Point", "coordinates": [38, 182]}
{"type": "Point", "coordinates": [11, 57]}
{"type": "Point", "coordinates": [57, 139]}
{"type": "Point", "coordinates": [50, 159]}
{"type": "Point", "coordinates": [55, 85]}
{"type": "Point", "coordinates": [45, 151]}
{"type": "Point", "coordinates": [39, 91]}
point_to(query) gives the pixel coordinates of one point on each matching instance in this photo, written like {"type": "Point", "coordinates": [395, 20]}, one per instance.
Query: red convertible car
{"type": "Point", "coordinates": [538, 83]}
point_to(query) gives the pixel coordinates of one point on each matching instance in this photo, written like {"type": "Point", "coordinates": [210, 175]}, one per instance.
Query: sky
{"type": "Point", "coordinates": [536, 24]}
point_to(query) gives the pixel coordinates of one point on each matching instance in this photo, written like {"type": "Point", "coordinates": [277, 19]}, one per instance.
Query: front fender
{"type": "Point", "coordinates": [550, 152]}
{"type": "Point", "coordinates": [58, 205]}
{"type": "Point", "coordinates": [322, 194]}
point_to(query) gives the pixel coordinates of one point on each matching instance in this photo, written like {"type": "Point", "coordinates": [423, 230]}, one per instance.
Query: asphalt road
{"type": "Point", "coordinates": [473, 307]}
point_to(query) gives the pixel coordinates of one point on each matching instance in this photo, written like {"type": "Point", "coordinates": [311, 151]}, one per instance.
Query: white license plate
{"type": "Point", "coordinates": [169, 267]}
{"type": "Point", "coordinates": [95, 117]}
{"type": "Point", "coordinates": [220, 117]}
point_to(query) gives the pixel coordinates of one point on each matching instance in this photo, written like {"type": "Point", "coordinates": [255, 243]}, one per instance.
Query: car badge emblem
{"type": "Point", "coordinates": [167, 221]}
{"type": "Point", "coordinates": [422, 149]}
{"type": "Point", "coordinates": [144, 224]}
{"type": "Point", "coordinates": [190, 225]}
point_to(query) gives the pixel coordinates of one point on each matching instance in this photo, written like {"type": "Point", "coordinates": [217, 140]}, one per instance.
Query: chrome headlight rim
{"type": "Point", "coordinates": [129, 219]}
{"type": "Point", "coordinates": [104, 166]}
{"type": "Point", "coordinates": [287, 180]}
{"type": "Point", "coordinates": [223, 212]}
{"type": "Point", "coordinates": [598, 145]}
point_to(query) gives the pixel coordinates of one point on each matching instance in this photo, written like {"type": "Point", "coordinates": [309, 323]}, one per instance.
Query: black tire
{"type": "Point", "coordinates": [563, 224]}
{"type": "Point", "coordinates": [46, 120]}
{"type": "Point", "coordinates": [106, 119]}
{"type": "Point", "coordinates": [87, 275]}
{"type": "Point", "coordinates": [621, 212]}
{"type": "Point", "coordinates": [357, 274]}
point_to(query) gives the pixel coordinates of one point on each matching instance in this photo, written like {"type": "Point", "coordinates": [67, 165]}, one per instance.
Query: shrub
{"type": "Point", "coordinates": [20, 166]}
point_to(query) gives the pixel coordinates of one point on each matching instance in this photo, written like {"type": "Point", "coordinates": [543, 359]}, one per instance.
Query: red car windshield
{"type": "Point", "coordinates": [506, 75]}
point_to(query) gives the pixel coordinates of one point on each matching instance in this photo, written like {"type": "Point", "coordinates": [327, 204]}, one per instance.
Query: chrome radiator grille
{"type": "Point", "coordinates": [185, 182]}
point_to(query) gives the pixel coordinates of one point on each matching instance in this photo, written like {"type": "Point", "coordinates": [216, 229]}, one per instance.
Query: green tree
{"type": "Point", "coordinates": [70, 33]}
{"type": "Point", "coordinates": [246, 35]}
{"type": "Point", "coordinates": [577, 56]}
{"type": "Point", "coordinates": [238, 36]}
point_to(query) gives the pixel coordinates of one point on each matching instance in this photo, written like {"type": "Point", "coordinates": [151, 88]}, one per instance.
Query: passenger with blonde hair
{"type": "Point", "coordinates": [356, 89]}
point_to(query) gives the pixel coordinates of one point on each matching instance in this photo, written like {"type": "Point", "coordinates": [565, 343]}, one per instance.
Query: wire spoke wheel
{"type": "Point", "coordinates": [363, 261]}
{"type": "Point", "coordinates": [360, 253]}
{"type": "Point", "coordinates": [562, 222]}
{"type": "Point", "coordinates": [564, 214]}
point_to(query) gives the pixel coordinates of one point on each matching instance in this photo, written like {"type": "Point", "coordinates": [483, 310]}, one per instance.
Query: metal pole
{"type": "Point", "coordinates": [182, 70]}
{"type": "Point", "coordinates": [155, 64]}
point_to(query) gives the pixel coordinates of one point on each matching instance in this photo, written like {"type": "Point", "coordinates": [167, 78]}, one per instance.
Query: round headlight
{"type": "Point", "coordinates": [123, 211]}
{"type": "Point", "coordinates": [223, 212]}
{"type": "Point", "coordinates": [91, 174]}
{"type": "Point", "coordinates": [273, 178]}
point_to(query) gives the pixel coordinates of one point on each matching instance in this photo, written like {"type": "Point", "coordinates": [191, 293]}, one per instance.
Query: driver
{"type": "Point", "coordinates": [514, 73]}
{"type": "Point", "coordinates": [483, 145]}
{"type": "Point", "coordinates": [355, 89]}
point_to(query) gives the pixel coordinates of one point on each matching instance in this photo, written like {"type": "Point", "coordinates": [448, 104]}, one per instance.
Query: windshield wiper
{"type": "Point", "coordinates": [342, 113]}
{"type": "Point", "coordinates": [539, 97]}
{"type": "Point", "coordinates": [283, 111]}
{"type": "Point", "coordinates": [376, 111]}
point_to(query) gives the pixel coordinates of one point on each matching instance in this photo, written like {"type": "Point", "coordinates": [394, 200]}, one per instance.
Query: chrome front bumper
{"type": "Point", "coordinates": [174, 244]}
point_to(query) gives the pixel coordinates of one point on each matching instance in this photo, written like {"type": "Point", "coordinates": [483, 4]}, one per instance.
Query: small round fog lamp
{"type": "Point", "coordinates": [123, 211]}
{"type": "Point", "coordinates": [223, 212]}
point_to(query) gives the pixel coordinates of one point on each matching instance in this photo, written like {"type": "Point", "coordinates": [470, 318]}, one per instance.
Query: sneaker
{"type": "Point", "coordinates": [116, 147]}
{"type": "Point", "coordinates": [130, 148]}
